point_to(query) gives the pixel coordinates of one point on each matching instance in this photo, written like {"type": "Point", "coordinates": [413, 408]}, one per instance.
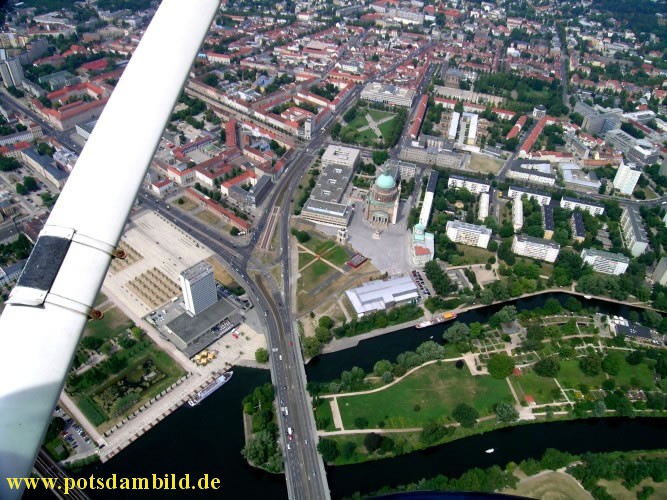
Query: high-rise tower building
{"type": "Point", "coordinates": [199, 290]}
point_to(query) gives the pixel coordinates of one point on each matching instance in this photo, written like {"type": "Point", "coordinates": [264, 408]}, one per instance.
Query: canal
{"type": "Point", "coordinates": [207, 439]}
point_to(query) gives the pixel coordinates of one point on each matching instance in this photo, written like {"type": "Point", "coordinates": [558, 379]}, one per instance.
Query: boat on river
{"type": "Point", "coordinates": [448, 316]}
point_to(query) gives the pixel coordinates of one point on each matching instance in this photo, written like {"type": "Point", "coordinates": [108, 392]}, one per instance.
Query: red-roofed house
{"type": "Point", "coordinates": [98, 65]}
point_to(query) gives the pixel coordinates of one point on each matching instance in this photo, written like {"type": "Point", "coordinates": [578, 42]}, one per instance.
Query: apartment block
{"type": "Point", "coordinates": [633, 231]}
{"type": "Point", "coordinates": [626, 177]}
{"type": "Point", "coordinates": [535, 248]}
{"type": "Point", "coordinates": [475, 186]}
{"type": "Point", "coordinates": [468, 234]}
{"type": "Point", "coordinates": [572, 203]}
{"type": "Point", "coordinates": [605, 262]}
{"type": "Point", "coordinates": [542, 198]}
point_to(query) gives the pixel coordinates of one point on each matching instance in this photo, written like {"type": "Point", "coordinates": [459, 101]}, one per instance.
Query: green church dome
{"type": "Point", "coordinates": [385, 181]}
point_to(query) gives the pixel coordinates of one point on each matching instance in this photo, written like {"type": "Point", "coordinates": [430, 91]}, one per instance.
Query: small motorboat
{"type": "Point", "coordinates": [490, 450]}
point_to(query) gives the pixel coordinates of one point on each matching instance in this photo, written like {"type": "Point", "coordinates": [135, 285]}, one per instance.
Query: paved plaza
{"type": "Point", "coordinates": [162, 246]}
{"type": "Point", "coordinates": [390, 253]}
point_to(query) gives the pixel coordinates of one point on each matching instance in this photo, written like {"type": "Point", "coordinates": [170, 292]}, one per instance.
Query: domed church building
{"type": "Point", "coordinates": [382, 201]}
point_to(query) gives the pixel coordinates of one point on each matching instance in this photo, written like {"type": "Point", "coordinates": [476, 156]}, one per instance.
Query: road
{"type": "Point", "coordinates": [304, 469]}
{"type": "Point", "coordinates": [46, 467]}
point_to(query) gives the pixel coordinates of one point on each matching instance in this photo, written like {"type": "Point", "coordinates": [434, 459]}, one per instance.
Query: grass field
{"type": "Point", "coordinates": [359, 121]}
{"type": "Point", "coordinates": [630, 375]}
{"type": "Point", "coordinates": [323, 411]}
{"type": "Point", "coordinates": [319, 246]}
{"type": "Point", "coordinates": [378, 115]}
{"type": "Point", "coordinates": [616, 489]}
{"type": "Point", "coordinates": [208, 218]}
{"type": "Point", "coordinates": [571, 376]}
{"type": "Point", "coordinates": [485, 164]}
{"type": "Point", "coordinates": [551, 485]}
{"type": "Point", "coordinates": [305, 258]}
{"type": "Point", "coordinates": [436, 388]}
{"type": "Point", "coordinates": [367, 134]}
{"type": "Point", "coordinates": [540, 388]}
{"type": "Point", "coordinates": [220, 273]}
{"type": "Point", "coordinates": [386, 127]}
{"type": "Point", "coordinates": [337, 256]}
{"type": "Point", "coordinates": [188, 205]}
{"type": "Point", "coordinates": [113, 323]}
{"type": "Point", "coordinates": [475, 255]}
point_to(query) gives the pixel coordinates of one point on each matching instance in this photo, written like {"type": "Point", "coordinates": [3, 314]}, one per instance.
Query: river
{"type": "Point", "coordinates": [207, 439]}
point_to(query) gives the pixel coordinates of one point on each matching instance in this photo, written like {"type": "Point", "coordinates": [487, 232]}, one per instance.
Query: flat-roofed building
{"type": "Point", "coordinates": [548, 221]}
{"type": "Point", "coordinates": [660, 273]}
{"type": "Point", "coordinates": [533, 173]}
{"type": "Point", "coordinates": [605, 262]}
{"type": "Point", "coordinates": [405, 169]}
{"type": "Point", "coordinates": [620, 140]}
{"type": "Point", "coordinates": [341, 155]}
{"type": "Point", "coordinates": [323, 205]}
{"type": "Point", "coordinates": [592, 208]}
{"type": "Point", "coordinates": [483, 206]}
{"type": "Point", "coordinates": [388, 94]}
{"type": "Point", "coordinates": [633, 231]}
{"type": "Point", "coordinates": [517, 214]}
{"type": "Point", "coordinates": [199, 289]}
{"type": "Point", "coordinates": [473, 185]}
{"type": "Point", "coordinates": [468, 234]}
{"type": "Point", "coordinates": [427, 204]}
{"type": "Point", "coordinates": [535, 248]}
{"type": "Point", "coordinates": [541, 197]}
{"type": "Point", "coordinates": [578, 227]}
{"type": "Point", "coordinates": [379, 295]}
{"type": "Point", "coordinates": [626, 177]}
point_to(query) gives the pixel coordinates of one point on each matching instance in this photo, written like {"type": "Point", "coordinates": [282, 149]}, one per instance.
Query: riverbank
{"type": "Point", "coordinates": [337, 345]}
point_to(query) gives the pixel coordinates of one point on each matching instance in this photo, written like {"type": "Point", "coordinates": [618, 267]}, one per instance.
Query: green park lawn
{"type": "Point", "coordinates": [631, 374]}
{"type": "Point", "coordinates": [475, 255]}
{"type": "Point", "coordinates": [386, 127]}
{"type": "Point", "coordinates": [314, 274]}
{"type": "Point", "coordinates": [540, 388]}
{"type": "Point", "coordinates": [337, 255]}
{"type": "Point", "coordinates": [323, 413]}
{"type": "Point", "coordinates": [305, 258]}
{"type": "Point", "coordinates": [113, 323]}
{"type": "Point", "coordinates": [378, 115]}
{"type": "Point", "coordinates": [319, 246]}
{"type": "Point", "coordinates": [571, 376]}
{"type": "Point", "coordinates": [358, 122]}
{"type": "Point", "coordinates": [436, 388]}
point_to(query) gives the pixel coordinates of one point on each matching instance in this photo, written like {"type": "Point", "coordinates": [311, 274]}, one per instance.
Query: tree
{"type": "Point", "coordinates": [261, 355]}
{"type": "Point", "coordinates": [465, 414]}
{"type": "Point", "coordinates": [501, 365]}
{"type": "Point", "coordinates": [326, 322]}
{"type": "Point", "coordinates": [381, 367]}
{"type": "Point", "coordinates": [234, 231]}
{"type": "Point", "coordinates": [552, 306]}
{"type": "Point", "coordinates": [328, 448]}
{"type": "Point", "coordinates": [210, 79]}
{"type": "Point", "coordinates": [590, 364]}
{"type": "Point", "coordinates": [655, 401]}
{"type": "Point", "coordinates": [612, 363]}
{"type": "Point", "coordinates": [361, 422]}
{"type": "Point", "coordinates": [379, 157]}
{"type": "Point", "coordinates": [547, 367]}
{"type": "Point", "coordinates": [634, 358]}
{"type": "Point", "coordinates": [458, 332]}
{"type": "Point", "coordinates": [599, 408]}
{"type": "Point", "coordinates": [311, 347]}
{"type": "Point", "coordinates": [432, 432]}
{"type": "Point", "coordinates": [572, 304]}
{"type": "Point", "coordinates": [348, 449]}
{"type": "Point", "coordinates": [506, 412]}
{"type": "Point", "coordinates": [372, 442]}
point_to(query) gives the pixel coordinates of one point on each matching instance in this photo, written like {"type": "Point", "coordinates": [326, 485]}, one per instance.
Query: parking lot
{"type": "Point", "coordinates": [422, 283]}
{"type": "Point", "coordinates": [73, 436]}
